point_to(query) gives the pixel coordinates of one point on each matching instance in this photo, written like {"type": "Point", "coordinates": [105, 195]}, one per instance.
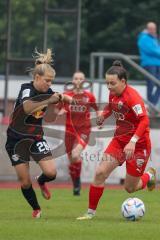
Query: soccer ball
{"type": "Point", "coordinates": [133, 209]}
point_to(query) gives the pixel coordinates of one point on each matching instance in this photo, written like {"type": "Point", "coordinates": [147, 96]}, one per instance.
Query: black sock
{"type": "Point", "coordinates": [43, 178]}
{"type": "Point", "coordinates": [31, 198]}
{"type": "Point", "coordinates": [77, 183]}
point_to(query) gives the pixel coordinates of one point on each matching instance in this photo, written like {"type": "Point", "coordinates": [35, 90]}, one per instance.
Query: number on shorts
{"type": "Point", "coordinates": [42, 146]}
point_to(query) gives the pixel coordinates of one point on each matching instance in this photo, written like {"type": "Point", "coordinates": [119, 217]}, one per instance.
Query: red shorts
{"type": "Point", "coordinates": [73, 138]}
{"type": "Point", "coordinates": [136, 165]}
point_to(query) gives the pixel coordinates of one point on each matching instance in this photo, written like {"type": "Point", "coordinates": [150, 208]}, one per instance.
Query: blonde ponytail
{"type": "Point", "coordinates": [42, 58]}
{"type": "Point", "coordinates": [43, 62]}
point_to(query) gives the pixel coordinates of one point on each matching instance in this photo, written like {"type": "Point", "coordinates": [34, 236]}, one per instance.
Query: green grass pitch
{"type": "Point", "coordinates": [59, 217]}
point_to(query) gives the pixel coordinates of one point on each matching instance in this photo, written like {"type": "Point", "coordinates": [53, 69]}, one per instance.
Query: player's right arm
{"type": "Point", "coordinates": [102, 115]}
{"type": "Point", "coordinates": [31, 106]}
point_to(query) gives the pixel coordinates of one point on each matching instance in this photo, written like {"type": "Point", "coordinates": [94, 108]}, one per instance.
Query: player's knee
{"type": "Point", "coordinates": [100, 175]}
{"type": "Point", "coordinates": [129, 189]}
{"type": "Point", "coordinates": [75, 156]}
{"type": "Point", "coordinates": [25, 184]}
{"type": "Point", "coordinates": [53, 177]}
{"type": "Point", "coordinates": [51, 174]}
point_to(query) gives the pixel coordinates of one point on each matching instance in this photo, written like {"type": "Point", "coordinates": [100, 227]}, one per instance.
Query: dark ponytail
{"type": "Point", "coordinates": [117, 69]}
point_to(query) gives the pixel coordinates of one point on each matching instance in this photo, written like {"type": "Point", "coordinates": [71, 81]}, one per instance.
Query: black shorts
{"type": "Point", "coordinates": [20, 151]}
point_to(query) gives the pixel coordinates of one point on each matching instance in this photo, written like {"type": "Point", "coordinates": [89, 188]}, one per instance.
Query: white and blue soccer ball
{"type": "Point", "coordinates": [133, 209]}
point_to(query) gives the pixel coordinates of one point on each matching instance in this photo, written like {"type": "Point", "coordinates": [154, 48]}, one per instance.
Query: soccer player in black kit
{"type": "Point", "coordinates": [25, 132]}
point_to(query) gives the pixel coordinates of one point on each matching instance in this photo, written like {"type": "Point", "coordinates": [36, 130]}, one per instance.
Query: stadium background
{"type": "Point", "coordinates": [74, 30]}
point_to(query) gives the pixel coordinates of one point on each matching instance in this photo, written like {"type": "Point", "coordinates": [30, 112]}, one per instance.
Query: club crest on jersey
{"type": "Point", "coordinates": [85, 99]}
{"type": "Point", "coordinates": [140, 162]}
{"type": "Point", "coordinates": [120, 105]}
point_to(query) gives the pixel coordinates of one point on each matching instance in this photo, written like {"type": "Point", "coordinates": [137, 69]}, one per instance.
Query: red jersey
{"type": "Point", "coordinates": [130, 114]}
{"type": "Point", "coordinates": [78, 116]}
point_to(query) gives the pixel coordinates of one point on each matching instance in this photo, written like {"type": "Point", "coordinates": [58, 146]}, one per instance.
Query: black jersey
{"type": "Point", "coordinates": [23, 125]}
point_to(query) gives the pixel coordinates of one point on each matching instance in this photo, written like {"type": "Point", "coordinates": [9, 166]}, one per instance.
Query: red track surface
{"type": "Point", "coordinates": [14, 185]}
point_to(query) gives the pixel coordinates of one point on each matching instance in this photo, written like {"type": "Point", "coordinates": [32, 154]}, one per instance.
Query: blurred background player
{"type": "Point", "coordinates": [131, 142]}
{"type": "Point", "coordinates": [149, 49]}
{"type": "Point", "coordinates": [78, 126]}
{"type": "Point", "coordinates": [25, 133]}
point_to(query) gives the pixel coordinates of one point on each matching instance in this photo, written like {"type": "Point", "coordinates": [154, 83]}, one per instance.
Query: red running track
{"type": "Point", "coordinates": [15, 185]}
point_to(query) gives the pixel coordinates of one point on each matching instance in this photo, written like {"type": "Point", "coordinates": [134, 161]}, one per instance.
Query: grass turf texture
{"type": "Point", "coordinates": [59, 217]}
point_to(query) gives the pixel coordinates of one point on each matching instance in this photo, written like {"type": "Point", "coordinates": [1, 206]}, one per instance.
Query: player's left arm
{"type": "Point", "coordinates": [54, 110]}
{"type": "Point", "coordinates": [137, 105]}
{"type": "Point", "coordinates": [141, 114]}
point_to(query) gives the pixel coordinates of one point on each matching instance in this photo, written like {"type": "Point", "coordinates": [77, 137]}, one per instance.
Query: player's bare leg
{"type": "Point", "coordinates": [148, 179]}
{"type": "Point", "coordinates": [107, 165]}
{"type": "Point", "coordinates": [132, 183]}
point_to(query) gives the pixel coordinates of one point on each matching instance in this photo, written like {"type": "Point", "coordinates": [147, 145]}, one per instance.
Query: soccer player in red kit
{"type": "Point", "coordinates": [131, 141]}
{"type": "Point", "coordinates": [78, 126]}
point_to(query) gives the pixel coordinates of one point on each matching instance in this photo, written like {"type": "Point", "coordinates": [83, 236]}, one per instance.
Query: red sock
{"type": "Point", "coordinates": [95, 194]}
{"type": "Point", "coordinates": [145, 178]}
{"type": "Point", "coordinates": [75, 170]}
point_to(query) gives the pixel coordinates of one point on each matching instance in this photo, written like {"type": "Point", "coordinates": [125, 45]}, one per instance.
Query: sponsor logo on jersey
{"type": "Point", "coordinates": [78, 108]}
{"type": "Point", "coordinates": [137, 109]}
{"type": "Point", "coordinates": [38, 114]}
{"type": "Point", "coordinates": [118, 115]}
{"type": "Point", "coordinates": [26, 93]}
